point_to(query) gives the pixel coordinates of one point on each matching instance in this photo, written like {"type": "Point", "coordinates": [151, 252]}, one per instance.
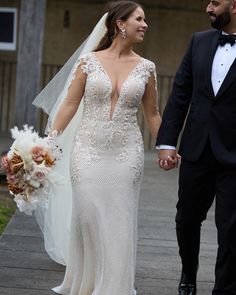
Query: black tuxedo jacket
{"type": "Point", "coordinates": [208, 116]}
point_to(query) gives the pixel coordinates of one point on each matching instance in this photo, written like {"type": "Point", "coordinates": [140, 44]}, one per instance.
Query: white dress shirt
{"type": "Point", "coordinates": [223, 59]}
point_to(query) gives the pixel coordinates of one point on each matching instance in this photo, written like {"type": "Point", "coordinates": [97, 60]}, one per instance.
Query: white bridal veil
{"type": "Point", "coordinates": [54, 220]}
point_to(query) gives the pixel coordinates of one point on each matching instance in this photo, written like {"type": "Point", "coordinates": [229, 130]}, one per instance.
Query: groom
{"type": "Point", "coordinates": [204, 90]}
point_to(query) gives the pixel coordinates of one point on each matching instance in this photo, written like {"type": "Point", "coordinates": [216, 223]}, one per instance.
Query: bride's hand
{"type": "Point", "coordinates": [52, 135]}
{"type": "Point", "coordinates": [168, 159]}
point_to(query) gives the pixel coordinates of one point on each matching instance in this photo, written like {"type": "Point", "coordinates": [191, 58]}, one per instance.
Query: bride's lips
{"type": "Point", "coordinates": [141, 31]}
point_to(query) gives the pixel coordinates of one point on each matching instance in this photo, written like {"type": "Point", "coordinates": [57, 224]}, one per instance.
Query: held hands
{"type": "Point", "coordinates": [168, 159]}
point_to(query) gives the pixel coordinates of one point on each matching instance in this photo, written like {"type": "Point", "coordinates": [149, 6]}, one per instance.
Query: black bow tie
{"type": "Point", "coordinates": [223, 39]}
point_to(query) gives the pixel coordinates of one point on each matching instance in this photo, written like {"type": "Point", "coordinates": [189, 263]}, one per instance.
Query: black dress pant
{"type": "Point", "coordinates": [199, 183]}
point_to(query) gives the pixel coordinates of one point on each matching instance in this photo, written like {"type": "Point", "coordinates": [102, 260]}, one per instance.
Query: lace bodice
{"type": "Point", "coordinates": [101, 132]}
{"type": "Point", "coordinates": [97, 96]}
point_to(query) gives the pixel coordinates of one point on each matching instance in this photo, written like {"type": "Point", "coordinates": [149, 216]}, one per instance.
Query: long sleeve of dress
{"type": "Point", "coordinates": [71, 101]}
{"type": "Point", "coordinates": [150, 103]}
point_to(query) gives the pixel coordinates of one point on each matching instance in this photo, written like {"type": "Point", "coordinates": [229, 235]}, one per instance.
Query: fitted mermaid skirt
{"type": "Point", "coordinates": [106, 181]}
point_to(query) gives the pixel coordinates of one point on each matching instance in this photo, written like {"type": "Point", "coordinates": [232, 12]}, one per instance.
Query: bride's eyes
{"type": "Point", "coordinates": [139, 18]}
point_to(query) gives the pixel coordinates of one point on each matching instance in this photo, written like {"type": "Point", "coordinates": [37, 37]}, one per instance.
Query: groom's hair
{"type": "Point", "coordinates": [116, 10]}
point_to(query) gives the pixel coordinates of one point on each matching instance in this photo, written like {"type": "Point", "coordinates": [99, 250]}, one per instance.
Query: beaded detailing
{"type": "Point", "coordinates": [100, 131]}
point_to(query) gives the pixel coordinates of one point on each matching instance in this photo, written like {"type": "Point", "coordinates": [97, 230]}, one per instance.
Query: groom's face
{"type": "Point", "coordinates": [220, 13]}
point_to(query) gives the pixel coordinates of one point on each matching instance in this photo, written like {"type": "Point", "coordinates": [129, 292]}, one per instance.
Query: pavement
{"type": "Point", "coordinates": [25, 268]}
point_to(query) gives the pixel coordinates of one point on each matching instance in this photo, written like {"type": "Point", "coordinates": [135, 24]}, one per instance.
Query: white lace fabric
{"type": "Point", "coordinates": [106, 170]}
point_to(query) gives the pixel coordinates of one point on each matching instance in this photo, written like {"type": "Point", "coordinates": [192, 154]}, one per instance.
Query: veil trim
{"type": "Point", "coordinates": [55, 219]}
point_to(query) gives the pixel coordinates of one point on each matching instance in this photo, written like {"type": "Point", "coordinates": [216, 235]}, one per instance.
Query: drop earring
{"type": "Point", "coordinates": [123, 33]}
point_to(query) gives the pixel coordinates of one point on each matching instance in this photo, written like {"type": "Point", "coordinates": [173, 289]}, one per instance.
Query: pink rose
{"type": "Point", "coordinates": [38, 154]}
{"type": "Point", "coordinates": [39, 175]}
{"type": "Point", "coordinates": [11, 178]}
{"type": "Point", "coordinates": [5, 164]}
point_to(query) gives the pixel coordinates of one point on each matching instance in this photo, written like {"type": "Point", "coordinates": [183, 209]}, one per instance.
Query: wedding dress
{"type": "Point", "coordinates": [106, 171]}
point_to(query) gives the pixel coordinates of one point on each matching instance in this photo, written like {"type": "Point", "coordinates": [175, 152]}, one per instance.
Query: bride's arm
{"type": "Point", "coordinates": [71, 102]}
{"type": "Point", "coordinates": [150, 107]}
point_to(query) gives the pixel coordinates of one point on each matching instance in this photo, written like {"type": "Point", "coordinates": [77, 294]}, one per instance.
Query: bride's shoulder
{"type": "Point", "coordinates": [148, 61]}
{"type": "Point", "coordinates": [149, 64]}
{"type": "Point", "coordinates": [86, 56]}
{"type": "Point", "coordinates": [85, 63]}
{"type": "Point", "coordinates": [87, 59]}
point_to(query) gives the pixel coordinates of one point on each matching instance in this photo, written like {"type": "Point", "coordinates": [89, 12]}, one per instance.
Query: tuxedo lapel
{"type": "Point", "coordinates": [210, 53]}
{"type": "Point", "coordinates": [229, 79]}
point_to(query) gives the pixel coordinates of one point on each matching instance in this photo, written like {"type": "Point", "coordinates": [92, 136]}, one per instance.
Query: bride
{"type": "Point", "coordinates": [95, 119]}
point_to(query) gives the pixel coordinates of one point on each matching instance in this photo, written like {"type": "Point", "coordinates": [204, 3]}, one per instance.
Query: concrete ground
{"type": "Point", "coordinates": [25, 268]}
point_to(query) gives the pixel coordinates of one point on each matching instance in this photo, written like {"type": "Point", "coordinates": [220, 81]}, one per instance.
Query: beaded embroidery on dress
{"type": "Point", "coordinates": [106, 170]}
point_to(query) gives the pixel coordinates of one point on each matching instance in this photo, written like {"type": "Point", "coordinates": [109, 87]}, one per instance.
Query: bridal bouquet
{"type": "Point", "coordinates": [29, 168]}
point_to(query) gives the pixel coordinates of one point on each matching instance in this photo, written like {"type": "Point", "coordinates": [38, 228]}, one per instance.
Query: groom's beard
{"type": "Point", "coordinates": [221, 20]}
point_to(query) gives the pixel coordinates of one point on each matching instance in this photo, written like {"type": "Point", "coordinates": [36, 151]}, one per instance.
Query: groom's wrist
{"type": "Point", "coordinates": [165, 147]}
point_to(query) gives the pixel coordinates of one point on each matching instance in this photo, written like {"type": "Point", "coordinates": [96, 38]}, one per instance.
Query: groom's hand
{"type": "Point", "coordinates": [167, 159]}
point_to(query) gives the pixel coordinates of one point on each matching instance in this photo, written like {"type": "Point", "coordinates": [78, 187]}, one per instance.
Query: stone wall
{"type": "Point", "coordinates": [171, 24]}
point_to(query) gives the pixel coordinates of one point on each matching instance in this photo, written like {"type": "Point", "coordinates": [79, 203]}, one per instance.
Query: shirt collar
{"type": "Point", "coordinates": [224, 33]}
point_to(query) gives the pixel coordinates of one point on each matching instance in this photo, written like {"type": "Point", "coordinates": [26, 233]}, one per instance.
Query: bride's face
{"type": "Point", "coordinates": [136, 26]}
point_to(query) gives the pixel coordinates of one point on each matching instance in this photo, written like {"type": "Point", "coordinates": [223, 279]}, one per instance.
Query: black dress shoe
{"type": "Point", "coordinates": [187, 285]}
{"type": "Point", "coordinates": [187, 289]}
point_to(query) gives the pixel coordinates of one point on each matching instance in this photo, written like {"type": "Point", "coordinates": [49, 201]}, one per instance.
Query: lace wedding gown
{"type": "Point", "coordinates": [106, 171]}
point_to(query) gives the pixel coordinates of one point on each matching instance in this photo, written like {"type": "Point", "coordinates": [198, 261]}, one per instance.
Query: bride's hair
{"type": "Point", "coordinates": [116, 10]}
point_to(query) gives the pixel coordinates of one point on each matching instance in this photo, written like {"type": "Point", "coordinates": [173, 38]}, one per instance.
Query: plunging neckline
{"type": "Point", "coordinates": [111, 114]}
